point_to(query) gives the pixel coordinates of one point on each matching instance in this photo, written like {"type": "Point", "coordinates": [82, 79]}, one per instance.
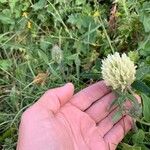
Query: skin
{"type": "Point", "coordinates": [60, 120]}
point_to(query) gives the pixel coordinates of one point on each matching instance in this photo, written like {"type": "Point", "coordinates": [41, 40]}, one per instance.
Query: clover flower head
{"type": "Point", "coordinates": [118, 71]}
{"type": "Point", "coordinates": [57, 54]}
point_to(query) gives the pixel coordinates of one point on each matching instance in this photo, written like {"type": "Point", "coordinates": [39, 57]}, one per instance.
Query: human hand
{"type": "Point", "coordinates": [60, 120]}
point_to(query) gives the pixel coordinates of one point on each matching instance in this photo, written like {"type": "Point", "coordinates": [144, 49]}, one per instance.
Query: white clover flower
{"type": "Point", "coordinates": [118, 71]}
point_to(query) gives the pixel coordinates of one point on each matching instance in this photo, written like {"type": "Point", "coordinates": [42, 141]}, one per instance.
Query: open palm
{"type": "Point", "coordinates": [60, 120]}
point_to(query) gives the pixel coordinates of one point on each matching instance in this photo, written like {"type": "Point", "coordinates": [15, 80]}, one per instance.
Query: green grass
{"type": "Point", "coordinates": [29, 30]}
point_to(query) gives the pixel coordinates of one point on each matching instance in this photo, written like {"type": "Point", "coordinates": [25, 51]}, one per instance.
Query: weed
{"type": "Point", "coordinates": [29, 30]}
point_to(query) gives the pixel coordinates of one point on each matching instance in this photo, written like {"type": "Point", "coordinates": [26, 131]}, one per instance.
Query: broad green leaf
{"type": "Point", "coordinates": [43, 56]}
{"type": "Point", "coordinates": [3, 116]}
{"type": "Point", "coordinates": [72, 57]}
{"type": "Point", "coordinates": [5, 64]}
{"type": "Point", "coordinates": [7, 133]}
{"type": "Point", "coordinates": [146, 107]}
{"type": "Point", "coordinates": [145, 16]}
{"type": "Point", "coordinates": [80, 47]}
{"type": "Point", "coordinates": [146, 23]}
{"type": "Point", "coordinates": [72, 18]}
{"type": "Point", "coordinates": [12, 4]}
{"type": "Point", "coordinates": [141, 87]}
{"type": "Point", "coordinates": [138, 137]}
{"type": "Point", "coordinates": [39, 5]}
{"type": "Point", "coordinates": [141, 72]}
{"type": "Point", "coordinates": [5, 19]}
{"type": "Point", "coordinates": [90, 36]}
{"type": "Point", "coordinates": [144, 46]}
{"type": "Point", "coordinates": [3, 1]}
{"type": "Point", "coordinates": [79, 2]}
{"type": "Point", "coordinates": [134, 56]}
{"type": "Point", "coordinates": [44, 44]}
{"type": "Point", "coordinates": [143, 147]}
{"type": "Point", "coordinates": [120, 100]}
{"type": "Point", "coordinates": [131, 97]}
{"type": "Point", "coordinates": [136, 110]}
{"type": "Point", "coordinates": [83, 21]}
{"type": "Point", "coordinates": [129, 147]}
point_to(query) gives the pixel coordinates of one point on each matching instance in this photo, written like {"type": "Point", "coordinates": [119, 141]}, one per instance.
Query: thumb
{"type": "Point", "coordinates": [55, 98]}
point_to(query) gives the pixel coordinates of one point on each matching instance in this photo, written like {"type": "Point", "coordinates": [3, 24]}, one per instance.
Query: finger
{"type": "Point", "coordinates": [107, 123]}
{"type": "Point", "coordinates": [128, 104]}
{"type": "Point", "coordinates": [87, 96]}
{"type": "Point", "coordinates": [100, 109]}
{"type": "Point", "coordinates": [117, 133]}
{"type": "Point", "coordinates": [53, 99]}
{"type": "Point", "coordinates": [138, 98]}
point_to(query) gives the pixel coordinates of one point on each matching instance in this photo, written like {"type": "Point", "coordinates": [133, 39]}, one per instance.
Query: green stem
{"type": "Point", "coordinates": [142, 122]}
{"type": "Point", "coordinates": [125, 8]}
{"type": "Point", "coordinates": [106, 34]}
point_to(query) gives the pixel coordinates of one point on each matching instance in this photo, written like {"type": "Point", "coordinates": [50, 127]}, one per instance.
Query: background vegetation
{"type": "Point", "coordinates": [46, 43]}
